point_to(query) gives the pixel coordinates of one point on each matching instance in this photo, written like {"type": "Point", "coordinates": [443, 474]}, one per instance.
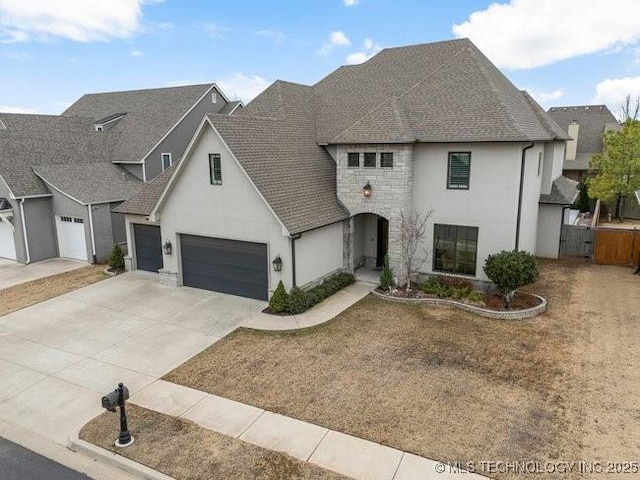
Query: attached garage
{"type": "Point", "coordinates": [148, 247]}
{"type": "Point", "coordinates": [7, 243]}
{"type": "Point", "coordinates": [227, 266]}
{"type": "Point", "coordinates": [72, 241]}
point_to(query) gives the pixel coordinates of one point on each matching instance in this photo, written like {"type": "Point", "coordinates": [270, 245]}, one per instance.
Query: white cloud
{"type": "Point", "coordinates": [613, 91]}
{"type": "Point", "coordinates": [545, 98]}
{"type": "Point", "coordinates": [370, 48]}
{"type": "Point", "coordinates": [14, 109]}
{"type": "Point", "coordinates": [78, 20]}
{"type": "Point", "coordinates": [350, 3]}
{"type": "Point", "coordinates": [336, 39]}
{"type": "Point", "coordinates": [243, 87]}
{"type": "Point", "coordinates": [136, 53]}
{"type": "Point", "coordinates": [531, 33]}
{"type": "Point", "coordinates": [215, 30]}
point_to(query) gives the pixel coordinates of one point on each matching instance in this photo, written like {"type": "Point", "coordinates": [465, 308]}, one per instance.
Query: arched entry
{"type": "Point", "coordinates": [370, 240]}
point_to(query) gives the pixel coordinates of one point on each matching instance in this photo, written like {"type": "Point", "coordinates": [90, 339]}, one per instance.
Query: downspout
{"type": "Point", "coordinates": [24, 232]}
{"type": "Point", "coordinates": [518, 219]}
{"type": "Point", "coordinates": [93, 238]}
{"type": "Point", "coordinates": [293, 258]}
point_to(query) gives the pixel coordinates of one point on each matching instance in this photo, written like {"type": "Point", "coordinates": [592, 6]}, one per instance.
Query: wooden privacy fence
{"type": "Point", "coordinates": [616, 247]}
{"type": "Point", "coordinates": [576, 241]}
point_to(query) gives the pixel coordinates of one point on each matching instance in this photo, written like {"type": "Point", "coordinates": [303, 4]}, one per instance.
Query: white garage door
{"type": "Point", "coordinates": [7, 244]}
{"type": "Point", "coordinates": [71, 238]}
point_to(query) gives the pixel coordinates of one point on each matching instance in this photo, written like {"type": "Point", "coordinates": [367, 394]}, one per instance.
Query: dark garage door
{"type": "Point", "coordinates": [227, 266]}
{"type": "Point", "coordinates": [148, 247]}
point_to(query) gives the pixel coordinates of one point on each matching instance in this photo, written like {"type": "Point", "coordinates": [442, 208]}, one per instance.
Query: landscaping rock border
{"type": "Point", "coordinates": [483, 312]}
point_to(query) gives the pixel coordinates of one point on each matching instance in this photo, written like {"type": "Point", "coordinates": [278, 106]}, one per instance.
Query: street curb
{"type": "Point", "coordinates": [115, 460]}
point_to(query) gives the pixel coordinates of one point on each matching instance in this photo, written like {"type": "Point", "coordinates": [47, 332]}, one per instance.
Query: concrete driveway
{"type": "Point", "coordinates": [59, 357]}
{"type": "Point", "coordinates": [14, 273]}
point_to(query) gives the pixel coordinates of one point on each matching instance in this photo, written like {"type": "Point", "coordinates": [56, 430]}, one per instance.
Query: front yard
{"type": "Point", "coordinates": [451, 386]}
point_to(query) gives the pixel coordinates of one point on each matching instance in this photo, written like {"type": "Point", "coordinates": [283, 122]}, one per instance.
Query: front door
{"type": "Point", "coordinates": [383, 240]}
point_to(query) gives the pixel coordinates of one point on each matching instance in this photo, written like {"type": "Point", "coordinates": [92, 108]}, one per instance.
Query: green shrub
{"type": "Point", "coordinates": [386, 277]}
{"type": "Point", "coordinates": [476, 296]}
{"type": "Point", "coordinates": [278, 301]}
{"type": "Point", "coordinates": [511, 270]}
{"type": "Point", "coordinates": [460, 293]}
{"type": "Point", "coordinates": [298, 301]}
{"type": "Point", "coordinates": [436, 286]}
{"type": "Point", "coordinates": [116, 260]}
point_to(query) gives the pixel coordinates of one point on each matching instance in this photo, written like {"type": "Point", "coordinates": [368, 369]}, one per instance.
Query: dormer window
{"type": "Point", "coordinates": [166, 161]}
{"type": "Point", "coordinates": [99, 128]}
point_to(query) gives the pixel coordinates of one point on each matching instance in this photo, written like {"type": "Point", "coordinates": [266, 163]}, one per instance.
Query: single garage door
{"type": "Point", "coordinates": [227, 266]}
{"type": "Point", "coordinates": [148, 247]}
{"type": "Point", "coordinates": [7, 244]}
{"type": "Point", "coordinates": [71, 237]}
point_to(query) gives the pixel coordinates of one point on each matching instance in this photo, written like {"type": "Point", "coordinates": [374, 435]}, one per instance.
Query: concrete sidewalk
{"type": "Point", "coordinates": [345, 454]}
{"type": "Point", "coordinates": [14, 273]}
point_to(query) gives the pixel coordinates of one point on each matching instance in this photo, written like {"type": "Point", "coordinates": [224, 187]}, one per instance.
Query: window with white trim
{"type": "Point", "coordinates": [166, 161]}
{"type": "Point", "coordinates": [215, 169]}
{"type": "Point", "coordinates": [459, 170]}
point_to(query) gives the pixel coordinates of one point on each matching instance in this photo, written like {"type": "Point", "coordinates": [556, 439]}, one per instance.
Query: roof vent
{"type": "Point", "coordinates": [214, 98]}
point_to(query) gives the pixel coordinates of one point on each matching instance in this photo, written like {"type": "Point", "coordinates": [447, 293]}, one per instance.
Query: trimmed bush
{"type": "Point", "coordinates": [300, 300]}
{"type": "Point", "coordinates": [116, 259]}
{"type": "Point", "coordinates": [279, 300]}
{"type": "Point", "coordinates": [511, 270]}
{"type": "Point", "coordinates": [386, 277]}
{"type": "Point", "coordinates": [476, 296]}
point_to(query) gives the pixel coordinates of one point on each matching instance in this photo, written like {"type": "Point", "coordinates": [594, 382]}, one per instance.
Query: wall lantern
{"type": "Point", "coordinates": [277, 264]}
{"type": "Point", "coordinates": [167, 247]}
{"type": "Point", "coordinates": [366, 190]}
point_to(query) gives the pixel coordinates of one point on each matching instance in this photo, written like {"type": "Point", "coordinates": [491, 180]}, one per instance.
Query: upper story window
{"type": "Point", "coordinates": [166, 161]}
{"type": "Point", "coordinates": [459, 170]}
{"type": "Point", "coordinates": [99, 128]}
{"type": "Point", "coordinates": [215, 169]}
{"type": "Point", "coordinates": [386, 159]}
{"type": "Point", "coordinates": [370, 160]}
{"type": "Point", "coordinates": [353, 160]}
{"type": "Point", "coordinates": [455, 249]}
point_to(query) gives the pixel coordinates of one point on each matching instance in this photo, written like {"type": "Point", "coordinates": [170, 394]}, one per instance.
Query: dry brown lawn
{"type": "Point", "coordinates": [452, 386]}
{"type": "Point", "coordinates": [36, 291]}
{"type": "Point", "coordinates": [184, 450]}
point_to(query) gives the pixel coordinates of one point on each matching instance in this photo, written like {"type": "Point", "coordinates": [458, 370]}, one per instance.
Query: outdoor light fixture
{"type": "Point", "coordinates": [168, 248]}
{"type": "Point", "coordinates": [366, 190]}
{"type": "Point", "coordinates": [277, 264]}
{"type": "Point", "coordinates": [115, 399]}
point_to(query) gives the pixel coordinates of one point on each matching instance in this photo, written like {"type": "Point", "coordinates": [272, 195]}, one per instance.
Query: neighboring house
{"type": "Point", "coordinates": [318, 176]}
{"type": "Point", "coordinates": [585, 125]}
{"type": "Point", "coordinates": [61, 176]}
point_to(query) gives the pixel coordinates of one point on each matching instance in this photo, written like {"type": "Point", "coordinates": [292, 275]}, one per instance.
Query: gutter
{"type": "Point", "coordinates": [519, 217]}
{"type": "Point", "coordinates": [293, 258]}
{"type": "Point", "coordinates": [93, 238]}
{"type": "Point", "coordinates": [24, 232]}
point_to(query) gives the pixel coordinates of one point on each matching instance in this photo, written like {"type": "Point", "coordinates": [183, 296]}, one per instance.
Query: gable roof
{"type": "Point", "coordinates": [594, 120]}
{"type": "Point", "coordinates": [150, 114]}
{"type": "Point", "coordinates": [91, 182]}
{"type": "Point", "coordinates": [563, 192]}
{"type": "Point", "coordinates": [143, 201]}
{"type": "Point", "coordinates": [437, 92]}
{"type": "Point", "coordinates": [34, 140]}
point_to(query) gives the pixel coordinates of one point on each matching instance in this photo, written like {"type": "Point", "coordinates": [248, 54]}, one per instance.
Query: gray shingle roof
{"type": "Point", "coordinates": [593, 121]}
{"type": "Point", "coordinates": [145, 199]}
{"type": "Point", "coordinates": [150, 114]}
{"type": "Point", "coordinates": [90, 182]}
{"type": "Point", "coordinates": [33, 140]}
{"type": "Point", "coordinates": [563, 192]}
{"type": "Point", "coordinates": [437, 92]}
{"type": "Point", "coordinates": [229, 108]}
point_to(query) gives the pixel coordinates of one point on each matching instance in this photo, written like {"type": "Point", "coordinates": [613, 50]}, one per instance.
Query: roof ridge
{"type": "Point", "coordinates": [374, 109]}
{"type": "Point", "coordinates": [136, 90]}
{"type": "Point", "coordinates": [249, 116]}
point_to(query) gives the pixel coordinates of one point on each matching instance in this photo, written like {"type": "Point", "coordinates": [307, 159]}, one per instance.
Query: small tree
{"type": "Point", "coordinates": [583, 202]}
{"type": "Point", "coordinates": [386, 277]}
{"type": "Point", "coordinates": [410, 238]}
{"type": "Point", "coordinates": [279, 299]}
{"type": "Point", "coordinates": [511, 270]}
{"type": "Point", "coordinates": [617, 169]}
{"type": "Point", "coordinates": [116, 260]}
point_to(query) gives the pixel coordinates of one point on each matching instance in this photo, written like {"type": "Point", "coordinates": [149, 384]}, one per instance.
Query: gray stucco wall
{"type": "Point", "coordinates": [176, 142]}
{"type": "Point", "coordinates": [134, 169]}
{"type": "Point", "coordinates": [41, 231]}
{"type": "Point", "coordinates": [118, 226]}
{"type": "Point", "coordinates": [102, 231]}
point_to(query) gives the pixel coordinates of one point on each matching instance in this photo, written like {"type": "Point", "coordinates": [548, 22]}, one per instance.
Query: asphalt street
{"type": "Point", "coordinates": [18, 463]}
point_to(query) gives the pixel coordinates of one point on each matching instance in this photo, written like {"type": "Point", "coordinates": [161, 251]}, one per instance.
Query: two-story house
{"type": "Point", "coordinates": [310, 180]}
{"type": "Point", "coordinates": [62, 175]}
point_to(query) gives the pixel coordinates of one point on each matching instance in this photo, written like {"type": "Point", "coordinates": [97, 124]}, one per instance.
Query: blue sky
{"type": "Point", "coordinates": [53, 51]}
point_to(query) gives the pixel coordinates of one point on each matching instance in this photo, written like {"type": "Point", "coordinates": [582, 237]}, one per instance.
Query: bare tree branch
{"type": "Point", "coordinates": [410, 236]}
{"type": "Point", "coordinates": [630, 108]}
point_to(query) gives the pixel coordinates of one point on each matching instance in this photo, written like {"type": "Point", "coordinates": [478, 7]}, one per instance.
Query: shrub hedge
{"type": "Point", "coordinates": [452, 287]}
{"type": "Point", "coordinates": [300, 300]}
